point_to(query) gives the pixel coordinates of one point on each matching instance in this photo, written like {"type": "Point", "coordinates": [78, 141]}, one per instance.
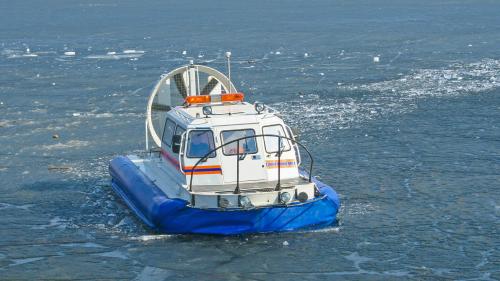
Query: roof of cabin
{"type": "Point", "coordinates": [222, 114]}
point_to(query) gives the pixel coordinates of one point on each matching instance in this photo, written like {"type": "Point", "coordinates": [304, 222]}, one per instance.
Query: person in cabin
{"type": "Point", "coordinates": [232, 150]}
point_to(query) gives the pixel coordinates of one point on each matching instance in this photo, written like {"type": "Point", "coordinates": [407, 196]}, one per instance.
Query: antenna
{"type": "Point", "coordinates": [228, 57]}
{"type": "Point", "coordinates": [191, 63]}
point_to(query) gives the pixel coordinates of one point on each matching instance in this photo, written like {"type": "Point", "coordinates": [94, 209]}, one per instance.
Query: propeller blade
{"type": "Point", "coordinates": [181, 86]}
{"type": "Point", "coordinates": [209, 86]}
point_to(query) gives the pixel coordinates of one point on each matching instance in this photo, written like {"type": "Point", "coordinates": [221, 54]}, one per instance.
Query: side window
{"type": "Point", "coordinates": [248, 145]}
{"type": "Point", "coordinates": [178, 132]}
{"type": "Point", "coordinates": [168, 132]}
{"type": "Point", "coordinates": [200, 142]}
{"type": "Point", "coordinates": [271, 142]}
{"type": "Point", "coordinates": [290, 133]}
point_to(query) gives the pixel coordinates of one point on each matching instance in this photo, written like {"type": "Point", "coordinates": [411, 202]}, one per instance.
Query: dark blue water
{"type": "Point", "coordinates": [411, 143]}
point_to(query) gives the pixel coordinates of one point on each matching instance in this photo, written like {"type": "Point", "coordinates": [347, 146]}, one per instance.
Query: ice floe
{"type": "Point", "coordinates": [54, 222]}
{"type": "Point", "coordinates": [25, 260]}
{"type": "Point", "coordinates": [69, 144]}
{"type": "Point", "coordinates": [323, 110]}
{"type": "Point", "coordinates": [113, 55]}
{"type": "Point", "coordinates": [146, 238]}
{"type": "Point", "coordinates": [153, 274]}
{"type": "Point", "coordinates": [4, 206]}
{"type": "Point", "coordinates": [82, 245]}
{"type": "Point", "coordinates": [114, 254]}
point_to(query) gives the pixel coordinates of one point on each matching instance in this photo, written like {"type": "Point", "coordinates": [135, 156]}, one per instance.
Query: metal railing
{"type": "Point", "coordinates": [240, 157]}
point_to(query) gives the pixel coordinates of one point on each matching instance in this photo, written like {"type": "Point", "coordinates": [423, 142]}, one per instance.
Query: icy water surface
{"type": "Point", "coordinates": [411, 143]}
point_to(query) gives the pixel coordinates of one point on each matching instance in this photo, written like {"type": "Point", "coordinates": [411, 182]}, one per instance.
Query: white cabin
{"type": "Point", "coordinates": [197, 134]}
{"type": "Point", "coordinates": [216, 150]}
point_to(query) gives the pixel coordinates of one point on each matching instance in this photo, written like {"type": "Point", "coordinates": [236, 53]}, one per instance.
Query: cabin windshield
{"type": "Point", "coordinates": [247, 145]}
{"type": "Point", "coordinates": [200, 142]}
{"type": "Point", "coordinates": [271, 142]}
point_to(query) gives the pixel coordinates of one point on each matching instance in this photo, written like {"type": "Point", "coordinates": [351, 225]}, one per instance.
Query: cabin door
{"type": "Point", "coordinates": [251, 164]}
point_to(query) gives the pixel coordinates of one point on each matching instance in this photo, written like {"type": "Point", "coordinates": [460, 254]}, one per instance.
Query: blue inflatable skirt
{"type": "Point", "coordinates": [172, 215]}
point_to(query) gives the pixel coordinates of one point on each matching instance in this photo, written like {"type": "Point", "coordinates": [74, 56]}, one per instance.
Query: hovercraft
{"type": "Point", "coordinates": [215, 164]}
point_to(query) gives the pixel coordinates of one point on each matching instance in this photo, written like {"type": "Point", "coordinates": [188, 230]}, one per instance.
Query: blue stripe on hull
{"type": "Point", "coordinates": [204, 170]}
{"type": "Point", "coordinates": [175, 216]}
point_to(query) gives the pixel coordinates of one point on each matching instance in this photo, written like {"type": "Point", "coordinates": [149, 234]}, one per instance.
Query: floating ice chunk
{"type": "Point", "coordinates": [23, 261]}
{"type": "Point", "coordinates": [153, 274]}
{"type": "Point", "coordinates": [306, 55]}
{"type": "Point", "coordinates": [54, 222]}
{"type": "Point", "coordinates": [29, 55]}
{"type": "Point", "coordinates": [83, 245]}
{"type": "Point", "coordinates": [285, 243]}
{"type": "Point", "coordinates": [70, 144]}
{"type": "Point", "coordinates": [131, 51]}
{"type": "Point", "coordinates": [114, 254]}
{"type": "Point", "coordinates": [376, 59]}
{"type": "Point", "coordinates": [11, 206]}
{"type": "Point", "coordinates": [70, 53]}
{"type": "Point", "coordinates": [278, 53]}
{"type": "Point", "coordinates": [357, 259]}
{"type": "Point", "coordinates": [152, 237]}
{"type": "Point", "coordinates": [53, 83]}
{"type": "Point", "coordinates": [184, 52]}
{"type": "Point", "coordinates": [115, 56]}
{"type": "Point", "coordinates": [322, 74]}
